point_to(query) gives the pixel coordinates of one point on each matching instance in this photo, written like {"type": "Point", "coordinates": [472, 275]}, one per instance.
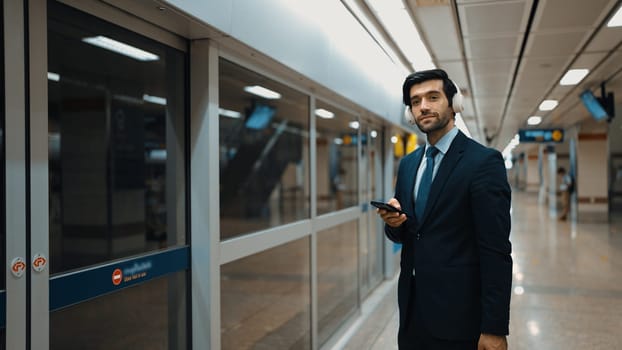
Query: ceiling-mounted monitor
{"type": "Point", "coordinates": [599, 107]}
{"type": "Point", "coordinates": [260, 116]}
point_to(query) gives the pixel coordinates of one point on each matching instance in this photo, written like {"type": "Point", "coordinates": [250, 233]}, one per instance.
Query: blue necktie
{"type": "Point", "coordinates": [426, 181]}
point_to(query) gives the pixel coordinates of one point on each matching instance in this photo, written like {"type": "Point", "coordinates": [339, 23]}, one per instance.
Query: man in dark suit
{"type": "Point", "coordinates": [456, 269]}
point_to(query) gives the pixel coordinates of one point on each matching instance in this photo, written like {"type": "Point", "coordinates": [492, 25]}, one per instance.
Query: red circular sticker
{"type": "Point", "coordinates": [117, 277]}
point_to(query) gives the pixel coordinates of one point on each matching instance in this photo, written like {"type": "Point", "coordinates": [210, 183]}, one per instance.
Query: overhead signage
{"type": "Point", "coordinates": [541, 135]}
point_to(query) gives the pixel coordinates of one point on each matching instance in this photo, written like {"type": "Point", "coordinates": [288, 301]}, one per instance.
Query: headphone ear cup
{"type": "Point", "coordinates": [457, 101]}
{"type": "Point", "coordinates": [408, 115]}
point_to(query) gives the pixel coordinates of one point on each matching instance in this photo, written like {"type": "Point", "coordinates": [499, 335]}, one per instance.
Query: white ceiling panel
{"type": "Point", "coordinates": [613, 63]}
{"type": "Point", "coordinates": [493, 17]}
{"type": "Point", "coordinates": [589, 60]}
{"type": "Point", "coordinates": [444, 44]}
{"type": "Point", "coordinates": [569, 13]}
{"type": "Point", "coordinates": [542, 70]}
{"type": "Point", "coordinates": [605, 40]}
{"type": "Point", "coordinates": [503, 67]}
{"type": "Point", "coordinates": [490, 106]}
{"type": "Point", "coordinates": [495, 47]}
{"type": "Point", "coordinates": [555, 44]}
{"type": "Point", "coordinates": [456, 72]}
{"type": "Point", "coordinates": [563, 34]}
{"type": "Point", "coordinates": [491, 85]}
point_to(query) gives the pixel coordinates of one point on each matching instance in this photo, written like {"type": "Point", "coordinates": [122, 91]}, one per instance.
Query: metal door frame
{"type": "Point", "coordinates": [32, 296]}
{"type": "Point", "coordinates": [15, 163]}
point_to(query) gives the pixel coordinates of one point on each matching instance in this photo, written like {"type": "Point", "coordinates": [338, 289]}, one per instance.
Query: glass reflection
{"type": "Point", "coordinates": [337, 161]}
{"type": "Point", "coordinates": [372, 229]}
{"type": "Point", "coordinates": [148, 316]}
{"type": "Point", "coordinates": [2, 167]}
{"type": "Point", "coordinates": [116, 168]}
{"type": "Point", "coordinates": [2, 176]}
{"type": "Point", "coordinates": [264, 152]}
{"type": "Point", "coordinates": [265, 299]}
{"type": "Point", "coordinates": [337, 277]}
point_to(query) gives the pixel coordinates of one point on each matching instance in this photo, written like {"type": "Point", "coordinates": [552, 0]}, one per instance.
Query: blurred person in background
{"type": "Point", "coordinates": [566, 187]}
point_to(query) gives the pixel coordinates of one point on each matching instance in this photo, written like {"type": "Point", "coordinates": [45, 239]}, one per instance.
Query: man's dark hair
{"type": "Point", "coordinates": [433, 74]}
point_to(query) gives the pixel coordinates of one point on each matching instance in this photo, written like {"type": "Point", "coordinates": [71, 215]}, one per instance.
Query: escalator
{"type": "Point", "coordinates": [256, 167]}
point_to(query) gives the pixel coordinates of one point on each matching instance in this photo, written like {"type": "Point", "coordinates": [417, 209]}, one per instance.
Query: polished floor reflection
{"type": "Point", "coordinates": [567, 284]}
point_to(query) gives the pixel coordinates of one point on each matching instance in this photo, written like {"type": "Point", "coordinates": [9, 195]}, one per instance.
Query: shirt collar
{"type": "Point", "coordinates": [443, 144]}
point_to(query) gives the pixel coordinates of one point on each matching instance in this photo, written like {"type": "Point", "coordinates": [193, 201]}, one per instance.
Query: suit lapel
{"type": "Point", "coordinates": [454, 154]}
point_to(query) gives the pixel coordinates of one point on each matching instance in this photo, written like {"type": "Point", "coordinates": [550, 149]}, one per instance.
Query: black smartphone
{"type": "Point", "coordinates": [385, 206]}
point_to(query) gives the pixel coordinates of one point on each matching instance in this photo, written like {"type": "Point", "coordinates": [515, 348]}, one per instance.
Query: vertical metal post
{"type": "Point", "coordinates": [15, 155]}
{"type": "Point", "coordinates": [39, 203]}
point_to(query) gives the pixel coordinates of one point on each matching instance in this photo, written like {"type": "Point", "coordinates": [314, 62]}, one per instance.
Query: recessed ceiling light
{"type": "Point", "coordinates": [53, 76]}
{"type": "Point", "coordinates": [229, 113]}
{"type": "Point", "coordinates": [323, 113]}
{"type": "Point", "coordinates": [616, 20]}
{"type": "Point", "coordinates": [548, 105]}
{"type": "Point", "coordinates": [397, 21]}
{"type": "Point", "coordinates": [155, 99]}
{"type": "Point", "coordinates": [373, 134]}
{"type": "Point", "coordinates": [573, 76]}
{"type": "Point", "coordinates": [354, 124]}
{"type": "Point", "coordinates": [534, 120]}
{"type": "Point", "coordinates": [262, 92]}
{"type": "Point", "coordinates": [122, 48]}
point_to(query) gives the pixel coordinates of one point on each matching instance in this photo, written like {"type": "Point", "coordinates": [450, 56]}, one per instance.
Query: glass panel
{"type": "Point", "coordinates": [116, 142]}
{"type": "Point", "coordinates": [366, 191]}
{"type": "Point", "coordinates": [266, 299]}
{"type": "Point", "coordinates": [337, 161]}
{"type": "Point", "coordinates": [264, 152]}
{"type": "Point", "coordinates": [2, 178]}
{"type": "Point", "coordinates": [376, 227]}
{"type": "Point", "coordinates": [337, 277]}
{"type": "Point", "coordinates": [2, 160]}
{"type": "Point", "coordinates": [147, 316]}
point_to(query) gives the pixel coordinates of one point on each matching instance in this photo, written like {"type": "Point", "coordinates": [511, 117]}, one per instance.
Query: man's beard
{"type": "Point", "coordinates": [438, 124]}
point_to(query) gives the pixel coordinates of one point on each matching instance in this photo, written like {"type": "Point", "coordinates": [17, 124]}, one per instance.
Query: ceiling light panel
{"type": "Point", "coordinates": [616, 20]}
{"type": "Point", "coordinates": [262, 92]}
{"type": "Point", "coordinates": [398, 23]}
{"type": "Point", "coordinates": [548, 105]}
{"type": "Point", "coordinates": [121, 48]}
{"type": "Point", "coordinates": [573, 76]}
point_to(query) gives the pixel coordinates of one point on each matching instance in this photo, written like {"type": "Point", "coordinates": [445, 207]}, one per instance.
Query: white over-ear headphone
{"type": "Point", "coordinates": [456, 104]}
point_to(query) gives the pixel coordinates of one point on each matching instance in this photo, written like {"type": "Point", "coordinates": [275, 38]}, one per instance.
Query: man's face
{"type": "Point", "coordinates": [430, 107]}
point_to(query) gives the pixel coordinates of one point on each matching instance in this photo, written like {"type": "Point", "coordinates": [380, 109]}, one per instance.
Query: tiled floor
{"type": "Point", "coordinates": [567, 285]}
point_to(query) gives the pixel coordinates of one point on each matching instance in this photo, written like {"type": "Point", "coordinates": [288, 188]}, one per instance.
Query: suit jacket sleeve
{"type": "Point", "coordinates": [491, 197]}
{"type": "Point", "coordinates": [396, 234]}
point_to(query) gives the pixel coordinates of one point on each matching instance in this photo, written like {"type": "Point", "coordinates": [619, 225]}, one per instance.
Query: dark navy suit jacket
{"type": "Point", "coordinates": [460, 249]}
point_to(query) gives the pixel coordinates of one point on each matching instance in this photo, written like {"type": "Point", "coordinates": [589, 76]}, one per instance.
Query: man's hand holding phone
{"type": "Point", "coordinates": [390, 212]}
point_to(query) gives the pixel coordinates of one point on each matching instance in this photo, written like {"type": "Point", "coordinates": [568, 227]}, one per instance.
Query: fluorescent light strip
{"type": "Point", "coordinates": [397, 21]}
{"type": "Point", "coordinates": [229, 113]}
{"type": "Point", "coordinates": [573, 76]}
{"type": "Point", "coordinates": [534, 120]}
{"type": "Point", "coordinates": [121, 48]}
{"type": "Point", "coordinates": [155, 99]}
{"type": "Point", "coordinates": [323, 113]}
{"type": "Point", "coordinates": [616, 20]}
{"type": "Point", "coordinates": [262, 92]}
{"type": "Point", "coordinates": [355, 7]}
{"type": "Point", "coordinates": [548, 105]}
{"type": "Point", "coordinates": [53, 76]}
